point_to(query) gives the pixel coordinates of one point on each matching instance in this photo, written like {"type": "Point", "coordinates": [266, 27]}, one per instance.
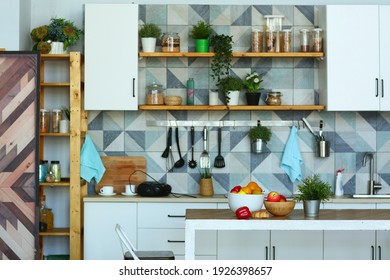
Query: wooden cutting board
{"type": "Point", "coordinates": [119, 169]}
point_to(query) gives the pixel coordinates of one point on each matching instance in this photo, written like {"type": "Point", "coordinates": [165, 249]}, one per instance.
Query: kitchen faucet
{"type": "Point", "coordinates": [373, 187]}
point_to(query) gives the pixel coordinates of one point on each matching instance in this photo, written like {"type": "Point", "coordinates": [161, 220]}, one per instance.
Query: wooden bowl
{"type": "Point", "coordinates": [280, 208]}
{"type": "Point", "coordinates": [173, 100]}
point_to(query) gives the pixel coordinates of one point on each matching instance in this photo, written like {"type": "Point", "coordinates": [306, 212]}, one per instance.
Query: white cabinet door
{"type": "Point", "coordinates": [296, 245]}
{"type": "Point", "coordinates": [100, 239]}
{"type": "Point", "coordinates": [383, 245]}
{"type": "Point", "coordinates": [111, 56]}
{"type": "Point", "coordinates": [349, 245]}
{"type": "Point", "coordinates": [384, 17]}
{"type": "Point", "coordinates": [349, 74]}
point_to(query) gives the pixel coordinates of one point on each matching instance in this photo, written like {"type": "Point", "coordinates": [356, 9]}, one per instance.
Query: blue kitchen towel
{"type": "Point", "coordinates": [91, 163]}
{"type": "Point", "coordinates": [292, 160]}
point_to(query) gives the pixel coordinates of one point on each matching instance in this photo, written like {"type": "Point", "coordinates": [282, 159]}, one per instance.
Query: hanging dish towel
{"type": "Point", "coordinates": [292, 160]}
{"type": "Point", "coordinates": [91, 163]}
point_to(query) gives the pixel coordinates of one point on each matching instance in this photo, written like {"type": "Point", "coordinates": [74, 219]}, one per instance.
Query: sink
{"type": "Point", "coordinates": [371, 196]}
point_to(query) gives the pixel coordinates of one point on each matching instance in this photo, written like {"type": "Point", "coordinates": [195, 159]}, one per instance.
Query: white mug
{"type": "Point", "coordinates": [130, 189]}
{"type": "Point", "coordinates": [107, 190]}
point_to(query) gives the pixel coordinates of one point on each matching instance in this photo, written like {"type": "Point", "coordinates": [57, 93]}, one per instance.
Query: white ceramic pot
{"type": "Point", "coordinates": [148, 44]}
{"type": "Point", "coordinates": [213, 97]}
{"type": "Point", "coordinates": [57, 48]}
{"type": "Point", "coordinates": [233, 97]}
{"type": "Point", "coordinates": [64, 126]}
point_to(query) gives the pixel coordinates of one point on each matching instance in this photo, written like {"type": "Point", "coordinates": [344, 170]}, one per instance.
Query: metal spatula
{"type": "Point", "coordinates": [219, 161]}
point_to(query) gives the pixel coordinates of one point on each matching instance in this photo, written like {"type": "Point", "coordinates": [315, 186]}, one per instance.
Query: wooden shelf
{"type": "Point", "coordinates": [65, 84]}
{"type": "Point", "coordinates": [54, 134]}
{"type": "Point", "coordinates": [55, 57]}
{"type": "Point", "coordinates": [56, 232]}
{"type": "Point", "coordinates": [237, 54]}
{"type": "Point", "coordinates": [65, 182]}
{"type": "Point", "coordinates": [231, 108]}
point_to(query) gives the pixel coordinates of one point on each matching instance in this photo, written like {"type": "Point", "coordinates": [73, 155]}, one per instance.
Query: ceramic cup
{"type": "Point", "coordinates": [130, 189]}
{"type": "Point", "coordinates": [107, 190]}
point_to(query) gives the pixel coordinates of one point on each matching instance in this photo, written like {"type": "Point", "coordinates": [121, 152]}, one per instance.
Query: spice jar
{"type": "Point", "coordinates": [316, 40]}
{"type": "Point", "coordinates": [257, 41]}
{"type": "Point", "coordinates": [55, 169]}
{"type": "Point", "coordinates": [270, 41]}
{"type": "Point", "coordinates": [305, 46]}
{"type": "Point", "coordinates": [274, 98]}
{"type": "Point", "coordinates": [285, 41]}
{"type": "Point", "coordinates": [154, 94]}
{"type": "Point", "coordinates": [170, 42]}
{"type": "Point", "coordinates": [56, 116]}
{"type": "Point", "coordinates": [43, 166]}
{"type": "Point", "coordinates": [44, 120]}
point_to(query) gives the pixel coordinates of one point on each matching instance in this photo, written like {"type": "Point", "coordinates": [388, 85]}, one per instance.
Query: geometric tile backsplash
{"type": "Point", "coordinates": [351, 133]}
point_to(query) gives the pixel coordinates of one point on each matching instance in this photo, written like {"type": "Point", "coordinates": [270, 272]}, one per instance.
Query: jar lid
{"type": "Point", "coordinates": [304, 30]}
{"type": "Point", "coordinates": [286, 30]}
{"type": "Point", "coordinates": [154, 86]}
{"type": "Point", "coordinates": [275, 93]}
{"type": "Point", "coordinates": [55, 161]}
{"type": "Point", "coordinates": [57, 110]}
{"type": "Point", "coordinates": [317, 29]}
{"type": "Point", "coordinates": [273, 16]}
{"type": "Point", "coordinates": [44, 110]}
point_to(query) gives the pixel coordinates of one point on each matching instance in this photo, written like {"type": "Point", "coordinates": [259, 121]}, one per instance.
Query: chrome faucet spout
{"type": "Point", "coordinates": [373, 187]}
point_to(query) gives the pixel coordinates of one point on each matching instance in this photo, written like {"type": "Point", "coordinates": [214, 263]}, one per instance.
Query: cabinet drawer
{"type": "Point", "coordinates": [173, 239]}
{"type": "Point", "coordinates": [167, 215]}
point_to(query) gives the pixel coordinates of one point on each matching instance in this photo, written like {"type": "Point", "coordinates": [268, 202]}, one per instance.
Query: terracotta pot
{"type": "Point", "coordinates": [206, 187]}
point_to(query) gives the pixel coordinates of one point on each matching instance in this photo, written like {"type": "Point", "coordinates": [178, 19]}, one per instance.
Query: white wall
{"type": "Point", "coordinates": [9, 24]}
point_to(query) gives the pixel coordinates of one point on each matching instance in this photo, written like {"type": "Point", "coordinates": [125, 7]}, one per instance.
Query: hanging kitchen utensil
{"type": "Point", "coordinates": [204, 161]}
{"type": "Point", "coordinates": [192, 163]}
{"type": "Point", "coordinates": [320, 133]}
{"type": "Point", "coordinates": [311, 129]}
{"type": "Point", "coordinates": [170, 159]}
{"type": "Point", "coordinates": [165, 154]}
{"type": "Point", "coordinates": [180, 162]}
{"type": "Point", "coordinates": [219, 161]}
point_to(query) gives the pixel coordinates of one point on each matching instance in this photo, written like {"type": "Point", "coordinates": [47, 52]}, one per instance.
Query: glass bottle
{"type": "Point", "coordinates": [316, 40]}
{"type": "Point", "coordinates": [190, 91]}
{"type": "Point", "coordinates": [43, 168]}
{"type": "Point", "coordinates": [55, 169]}
{"type": "Point", "coordinates": [170, 42]}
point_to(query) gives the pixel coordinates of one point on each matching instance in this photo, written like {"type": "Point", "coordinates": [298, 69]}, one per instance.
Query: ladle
{"type": "Point", "coordinates": [180, 162]}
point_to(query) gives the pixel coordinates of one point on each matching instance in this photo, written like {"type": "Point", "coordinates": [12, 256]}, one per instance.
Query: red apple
{"type": "Point", "coordinates": [282, 198]}
{"type": "Point", "coordinates": [273, 197]}
{"type": "Point", "coordinates": [236, 189]}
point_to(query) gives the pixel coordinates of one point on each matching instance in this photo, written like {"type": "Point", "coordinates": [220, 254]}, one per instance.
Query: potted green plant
{"type": "Point", "coordinates": [221, 62]}
{"type": "Point", "coordinates": [149, 34]}
{"type": "Point", "coordinates": [313, 191]}
{"type": "Point", "coordinates": [56, 37]}
{"type": "Point", "coordinates": [259, 136]}
{"type": "Point", "coordinates": [252, 83]}
{"type": "Point", "coordinates": [231, 87]}
{"type": "Point", "coordinates": [201, 33]}
{"type": "Point", "coordinates": [65, 121]}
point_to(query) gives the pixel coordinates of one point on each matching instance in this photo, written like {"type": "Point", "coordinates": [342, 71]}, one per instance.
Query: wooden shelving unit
{"type": "Point", "coordinates": [237, 54]}
{"type": "Point", "coordinates": [78, 127]}
{"type": "Point", "coordinates": [231, 108]}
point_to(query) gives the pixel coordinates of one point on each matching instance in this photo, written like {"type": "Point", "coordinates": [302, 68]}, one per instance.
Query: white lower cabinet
{"type": "Point", "coordinates": [100, 239]}
{"type": "Point", "coordinates": [161, 227]}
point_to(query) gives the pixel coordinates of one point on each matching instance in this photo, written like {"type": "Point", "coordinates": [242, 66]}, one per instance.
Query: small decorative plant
{"type": "Point", "coordinates": [253, 82]}
{"type": "Point", "coordinates": [65, 113]}
{"type": "Point", "coordinates": [58, 30]}
{"type": "Point", "coordinates": [260, 132]}
{"type": "Point", "coordinates": [150, 30]}
{"type": "Point", "coordinates": [202, 30]}
{"type": "Point", "coordinates": [222, 59]}
{"type": "Point", "coordinates": [228, 84]}
{"type": "Point", "coordinates": [313, 188]}
{"type": "Point", "coordinates": [205, 173]}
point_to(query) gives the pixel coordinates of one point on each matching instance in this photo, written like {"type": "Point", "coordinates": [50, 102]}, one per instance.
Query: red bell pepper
{"type": "Point", "coordinates": [243, 212]}
{"type": "Point", "coordinates": [236, 189]}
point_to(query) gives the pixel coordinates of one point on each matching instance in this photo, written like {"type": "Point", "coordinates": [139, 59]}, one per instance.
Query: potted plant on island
{"type": "Point", "coordinates": [56, 37]}
{"type": "Point", "coordinates": [149, 34]}
{"type": "Point", "coordinates": [313, 191]}
{"type": "Point", "coordinates": [252, 83]}
{"type": "Point", "coordinates": [231, 87]}
{"type": "Point", "coordinates": [201, 33]}
{"type": "Point", "coordinates": [259, 136]}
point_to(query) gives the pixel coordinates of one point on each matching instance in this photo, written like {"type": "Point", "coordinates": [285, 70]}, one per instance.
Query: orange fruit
{"type": "Point", "coordinates": [247, 190]}
{"type": "Point", "coordinates": [254, 187]}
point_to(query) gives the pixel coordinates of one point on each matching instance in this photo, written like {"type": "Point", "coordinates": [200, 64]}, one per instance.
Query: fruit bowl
{"type": "Point", "coordinates": [280, 208]}
{"type": "Point", "coordinates": [253, 201]}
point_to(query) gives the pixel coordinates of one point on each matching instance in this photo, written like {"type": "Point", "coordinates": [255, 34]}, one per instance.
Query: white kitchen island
{"type": "Point", "coordinates": [225, 219]}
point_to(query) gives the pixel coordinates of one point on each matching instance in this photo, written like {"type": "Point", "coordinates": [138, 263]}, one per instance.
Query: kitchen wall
{"type": "Point", "coordinates": [351, 133]}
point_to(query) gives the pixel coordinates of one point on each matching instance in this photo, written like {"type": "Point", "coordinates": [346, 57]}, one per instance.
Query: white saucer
{"type": "Point", "coordinates": [110, 194]}
{"type": "Point", "coordinates": [129, 194]}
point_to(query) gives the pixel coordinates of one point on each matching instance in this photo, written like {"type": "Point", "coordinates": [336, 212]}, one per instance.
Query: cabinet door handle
{"type": "Point", "coordinates": [175, 241]}
{"type": "Point", "coordinates": [372, 253]}
{"type": "Point", "coordinates": [176, 216]}
{"type": "Point", "coordinates": [379, 252]}
{"type": "Point", "coordinates": [133, 87]}
{"type": "Point", "coordinates": [266, 252]}
{"type": "Point", "coordinates": [376, 87]}
{"type": "Point", "coordinates": [383, 88]}
{"type": "Point", "coordinates": [273, 253]}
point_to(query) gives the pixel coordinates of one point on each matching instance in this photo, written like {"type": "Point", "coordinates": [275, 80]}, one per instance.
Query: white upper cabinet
{"type": "Point", "coordinates": [355, 69]}
{"type": "Point", "coordinates": [111, 56]}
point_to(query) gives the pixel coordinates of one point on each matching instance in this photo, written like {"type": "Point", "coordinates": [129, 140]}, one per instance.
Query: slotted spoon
{"type": "Point", "coordinates": [204, 161]}
{"type": "Point", "coordinates": [219, 161]}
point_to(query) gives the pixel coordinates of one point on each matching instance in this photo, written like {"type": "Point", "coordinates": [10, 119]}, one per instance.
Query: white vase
{"type": "Point", "coordinates": [57, 48]}
{"type": "Point", "coordinates": [148, 44]}
{"type": "Point", "coordinates": [213, 97]}
{"type": "Point", "coordinates": [64, 126]}
{"type": "Point", "coordinates": [233, 97]}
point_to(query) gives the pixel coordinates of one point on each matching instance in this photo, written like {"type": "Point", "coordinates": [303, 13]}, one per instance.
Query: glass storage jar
{"type": "Point", "coordinates": [154, 94]}
{"type": "Point", "coordinates": [285, 40]}
{"type": "Point", "coordinates": [270, 41]}
{"type": "Point", "coordinates": [316, 40]}
{"type": "Point", "coordinates": [56, 116]}
{"type": "Point", "coordinates": [305, 45]}
{"type": "Point", "coordinates": [44, 120]}
{"type": "Point", "coordinates": [274, 98]}
{"type": "Point", "coordinates": [257, 41]}
{"type": "Point", "coordinates": [170, 42]}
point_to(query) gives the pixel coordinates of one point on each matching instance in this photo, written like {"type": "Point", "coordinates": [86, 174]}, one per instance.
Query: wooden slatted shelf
{"type": "Point", "coordinates": [56, 232]}
{"type": "Point", "coordinates": [65, 84]}
{"type": "Point", "coordinates": [237, 54]}
{"type": "Point", "coordinates": [231, 108]}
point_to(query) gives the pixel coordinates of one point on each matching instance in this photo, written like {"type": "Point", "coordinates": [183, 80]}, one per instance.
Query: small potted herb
{"type": "Point", "coordinates": [231, 87]}
{"type": "Point", "coordinates": [252, 83]}
{"type": "Point", "coordinates": [201, 33]}
{"type": "Point", "coordinates": [259, 136]}
{"type": "Point", "coordinates": [149, 34]}
{"type": "Point", "coordinates": [313, 191]}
